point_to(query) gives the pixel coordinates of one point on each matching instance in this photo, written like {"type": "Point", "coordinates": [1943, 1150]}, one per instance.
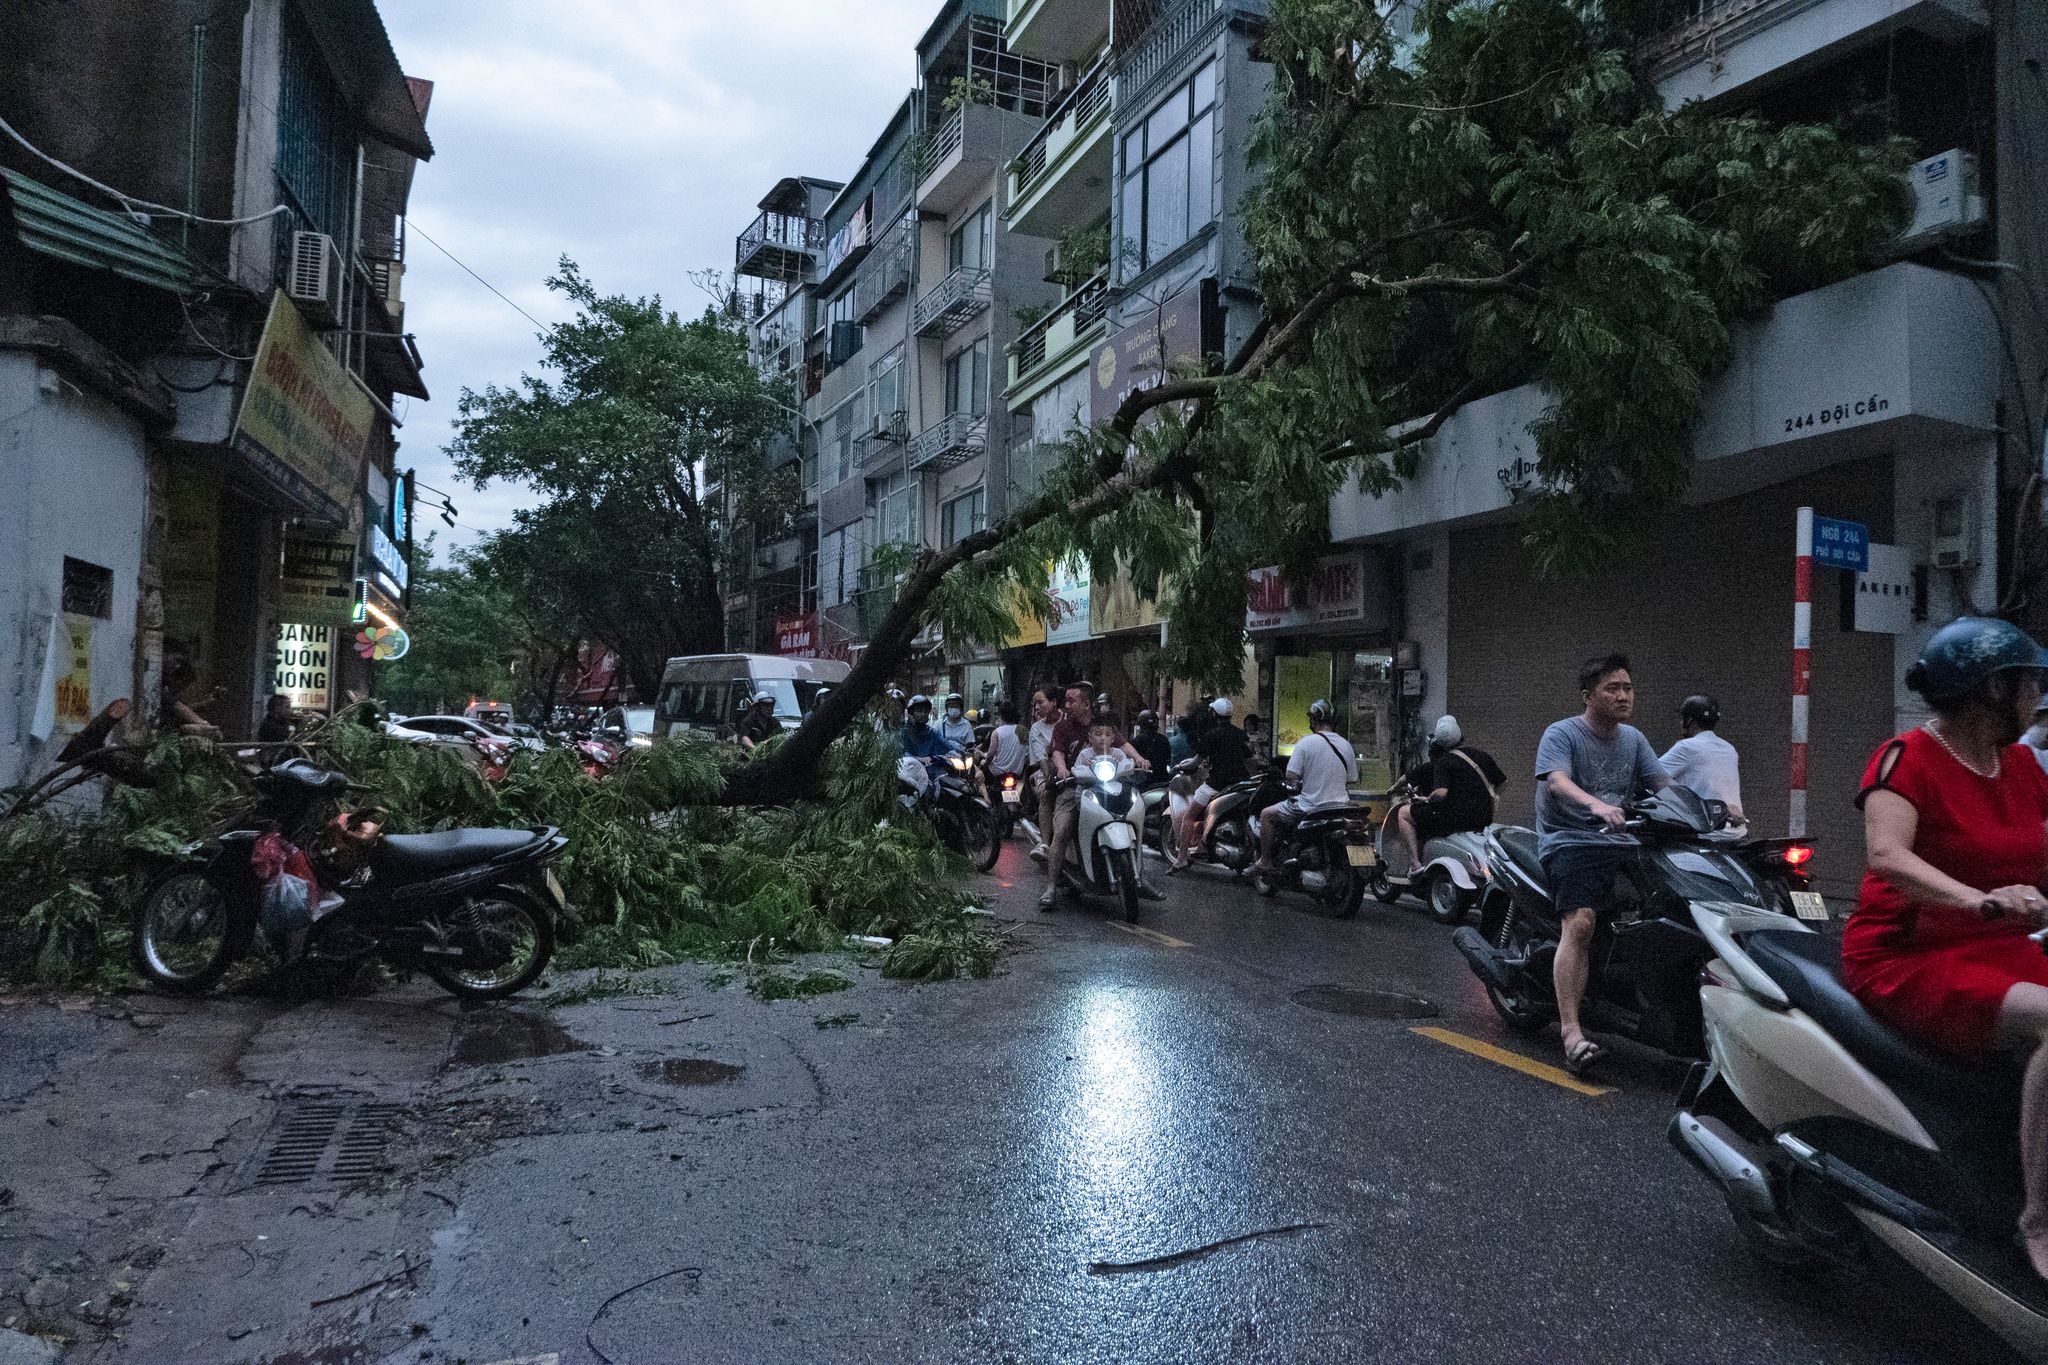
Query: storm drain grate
{"type": "Point", "coordinates": [327, 1140]}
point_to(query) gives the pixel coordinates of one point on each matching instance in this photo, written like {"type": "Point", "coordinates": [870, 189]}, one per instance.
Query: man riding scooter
{"type": "Point", "coordinates": [1456, 791]}
{"type": "Point", "coordinates": [1323, 767]}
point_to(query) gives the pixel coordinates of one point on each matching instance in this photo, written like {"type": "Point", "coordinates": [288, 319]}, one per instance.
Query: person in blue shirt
{"type": "Point", "coordinates": [919, 737]}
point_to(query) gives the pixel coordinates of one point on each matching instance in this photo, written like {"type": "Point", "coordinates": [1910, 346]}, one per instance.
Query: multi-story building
{"type": "Point", "coordinates": [196, 372]}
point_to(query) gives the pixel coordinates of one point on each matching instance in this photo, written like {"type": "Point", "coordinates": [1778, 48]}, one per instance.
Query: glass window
{"type": "Point", "coordinates": [1169, 188]}
{"type": "Point", "coordinates": [845, 427]}
{"type": "Point", "coordinates": [967, 246]}
{"type": "Point", "coordinates": [967, 380]}
{"type": "Point", "coordinates": [831, 568]}
{"type": "Point", "coordinates": [885, 383]}
{"type": "Point", "coordinates": [896, 510]}
{"type": "Point", "coordinates": [1166, 200]}
{"type": "Point", "coordinates": [960, 518]}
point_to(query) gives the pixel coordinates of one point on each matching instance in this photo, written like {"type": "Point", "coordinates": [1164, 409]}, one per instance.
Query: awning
{"type": "Point", "coordinates": [358, 51]}
{"type": "Point", "coordinates": [54, 224]}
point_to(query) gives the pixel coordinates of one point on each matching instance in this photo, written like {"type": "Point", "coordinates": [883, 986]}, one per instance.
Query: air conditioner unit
{"type": "Point", "coordinates": [1946, 199]}
{"type": "Point", "coordinates": [314, 280]}
{"type": "Point", "coordinates": [891, 426]}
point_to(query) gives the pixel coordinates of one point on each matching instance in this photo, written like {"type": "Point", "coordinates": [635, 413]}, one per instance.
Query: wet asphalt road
{"type": "Point", "coordinates": [970, 1161]}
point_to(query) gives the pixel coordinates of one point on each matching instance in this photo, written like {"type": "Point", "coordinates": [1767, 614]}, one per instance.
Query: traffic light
{"type": "Point", "coordinates": [359, 612]}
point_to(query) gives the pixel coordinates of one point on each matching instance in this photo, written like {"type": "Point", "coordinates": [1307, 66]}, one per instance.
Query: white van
{"type": "Point", "coordinates": [704, 692]}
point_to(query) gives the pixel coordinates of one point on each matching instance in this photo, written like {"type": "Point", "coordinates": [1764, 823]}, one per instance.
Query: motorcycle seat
{"type": "Point", "coordinates": [1520, 846]}
{"type": "Point", "coordinates": [1808, 968]}
{"type": "Point", "coordinates": [416, 854]}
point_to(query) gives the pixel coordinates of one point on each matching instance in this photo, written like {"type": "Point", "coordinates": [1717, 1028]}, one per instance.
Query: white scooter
{"type": "Point", "coordinates": [1104, 858]}
{"type": "Point", "coordinates": [1452, 874]}
{"type": "Point", "coordinates": [1827, 1131]}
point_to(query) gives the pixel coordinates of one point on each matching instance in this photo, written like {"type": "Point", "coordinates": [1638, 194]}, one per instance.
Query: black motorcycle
{"type": "Point", "coordinates": [1327, 856]}
{"type": "Point", "coordinates": [1643, 976]}
{"type": "Point", "coordinates": [474, 909]}
{"type": "Point", "coordinates": [1229, 838]}
{"type": "Point", "coordinates": [955, 800]}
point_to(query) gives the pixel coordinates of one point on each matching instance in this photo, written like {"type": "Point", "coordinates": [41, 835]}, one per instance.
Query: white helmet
{"type": "Point", "coordinates": [1447, 732]}
{"type": "Point", "coordinates": [1221, 706]}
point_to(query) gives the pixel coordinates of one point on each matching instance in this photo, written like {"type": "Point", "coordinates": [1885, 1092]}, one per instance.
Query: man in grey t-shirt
{"type": "Point", "coordinates": [1587, 766]}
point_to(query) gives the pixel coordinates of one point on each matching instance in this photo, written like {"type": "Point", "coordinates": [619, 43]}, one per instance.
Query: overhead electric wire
{"type": "Point", "coordinates": [129, 201]}
{"type": "Point", "coordinates": [412, 225]}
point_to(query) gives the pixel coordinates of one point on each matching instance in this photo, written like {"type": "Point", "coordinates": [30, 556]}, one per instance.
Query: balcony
{"type": "Point", "coordinates": [885, 275]}
{"type": "Point", "coordinates": [961, 152]}
{"type": "Point", "coordinates": [1056, 30]}
{"type": "Point", "coordinates": [1157, 51]}
{"type": "Point", "coordinates": [1708, 49]}
{"type": "Point", "coordinates": [1052, 346]}
{"type": "Point", "coordinates": [953, 440]}
{"type": "Point", "coordinates": [953, 302]}
{"type": "Point", "coordinates": [778, 246]}
{"type": "Point", "coordinates": [1062, 174]}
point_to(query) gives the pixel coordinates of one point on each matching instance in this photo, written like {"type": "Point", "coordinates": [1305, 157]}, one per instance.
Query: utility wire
{"type": "Point", "coordinates": [129, 201]}
{"type": "Point", "coordinates": [412, 225]}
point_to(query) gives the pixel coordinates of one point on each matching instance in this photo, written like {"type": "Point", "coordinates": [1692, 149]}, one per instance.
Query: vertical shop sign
{"type": "Point", "coordinates": [305, 665]}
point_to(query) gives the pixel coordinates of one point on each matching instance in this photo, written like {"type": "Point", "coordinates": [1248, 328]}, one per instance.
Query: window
{"type": "Point", "coordinates": [835, 573]}
{"type": "Point", "coordinates": [960, 518]}
{"type": "Point", "coordinates": [885, 384]}
{"type": "Point", "coordinates": [88, 589]}
{"type": "Point", "coordinates": [967, 246]}
{"type": "Point", "coordinates": [843, 335]}
{"type": "Point", "coordinates": [967, 380]}
{"type": "Point", "coordinates": [843, 427]}
{"type": "Point", "coordinates": [807, 442]}
{"type": "Point", "coordinates": [896, 510]}
{"type": "Point", "coordinates": [1169, 173]}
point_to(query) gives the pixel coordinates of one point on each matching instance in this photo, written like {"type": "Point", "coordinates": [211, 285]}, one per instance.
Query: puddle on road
{"type": "Point", "coordinates": [509, 1036]}
{"type": "Point", "coordinates": [1362, 1003]}
{"type": "Point", "coordinates": [690, 1071]}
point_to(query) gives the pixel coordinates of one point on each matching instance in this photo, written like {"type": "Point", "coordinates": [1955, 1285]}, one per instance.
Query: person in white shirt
{"type": "Point", "coordinates": [1045, 713]}
{"type": "Point", "coordinates": [1005, 750]}
{"type": "Point", "coordinates": [1324, 766]}
{"type": "Point", "coordinates": [1703, 762]}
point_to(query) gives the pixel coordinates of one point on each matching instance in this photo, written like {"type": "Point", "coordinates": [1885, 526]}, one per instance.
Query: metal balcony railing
{"type": "Point", "coordinates": [953, 302]}
{"type": "Point", "coordinates": [1080, 106]}
{"type": "Point", "coordinates": [1177, 30]}
{"type": "Point", "coordinates": [952, 440]}
{"type": "Point", "coordinates": [778, 246]}
{"type": "Point", "coordinates": [1084, 306]}
{"type": "Point", "coordinates": [941, 141]}
{"type": "Point", "coordinates": [884, 275]}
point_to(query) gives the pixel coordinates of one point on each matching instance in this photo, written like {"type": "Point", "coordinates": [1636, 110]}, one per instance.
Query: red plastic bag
{"type": "Point", "coordinates": [290, 893]}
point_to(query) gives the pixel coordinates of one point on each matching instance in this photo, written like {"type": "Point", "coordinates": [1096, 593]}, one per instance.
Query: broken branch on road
{"type": "Point", "coordinates": [1192, 1254]}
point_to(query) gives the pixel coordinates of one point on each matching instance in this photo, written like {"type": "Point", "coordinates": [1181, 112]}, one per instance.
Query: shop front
{"type": "Point", "coordinates": [1331, 639]}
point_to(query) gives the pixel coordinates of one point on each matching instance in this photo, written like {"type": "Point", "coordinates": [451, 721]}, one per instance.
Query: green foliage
{"type": "Point", "coordinates": [1084, 249]}
{"type": "Point", "coordinates": [941, 952]}
{"type": "Point", "coordinates": [965, 90]}
{"type": "Point", "coordinates": [775, 985]}
{"type": "Point", "coordinates": [467, 629]}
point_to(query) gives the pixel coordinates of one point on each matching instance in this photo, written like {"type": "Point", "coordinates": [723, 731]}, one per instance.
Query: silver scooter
{"type": "Point", "coordinates": [1110, 821]}
{"type": "Point", "coordinates": [1828, 1133]}
{"type": "Point", "coordinates": [1452, 875]}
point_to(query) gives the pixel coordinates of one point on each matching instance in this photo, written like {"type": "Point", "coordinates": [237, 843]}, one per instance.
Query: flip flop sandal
{"type": "Point", "coordinates": [1580, 1059]}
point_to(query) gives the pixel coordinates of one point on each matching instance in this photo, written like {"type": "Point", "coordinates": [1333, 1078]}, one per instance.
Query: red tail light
{"type": "Point", "coordinates": [1798, 855]}
{"type": "Point", "coordinates": [1009, 781]}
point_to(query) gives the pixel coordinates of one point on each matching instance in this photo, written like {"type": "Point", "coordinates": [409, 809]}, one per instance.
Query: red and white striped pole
{"type": "Point", "coordinates": [1802, 669]}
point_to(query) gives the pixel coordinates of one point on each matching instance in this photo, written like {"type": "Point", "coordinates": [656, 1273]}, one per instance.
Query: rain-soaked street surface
{"type": "Point", "coordinates": [1219, 1137]}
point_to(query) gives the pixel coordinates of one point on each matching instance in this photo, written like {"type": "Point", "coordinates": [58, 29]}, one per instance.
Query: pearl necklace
{"type": "Point", "coordinates": [1942, 740]}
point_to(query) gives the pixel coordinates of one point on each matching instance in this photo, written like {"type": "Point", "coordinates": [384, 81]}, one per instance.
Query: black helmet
{"type": "Point", "coordinates": [1966, 652]}
{"type": "Point", "coordinates": [1148, 719]}
{"type": "Point", "coordinates": [1701, 710]}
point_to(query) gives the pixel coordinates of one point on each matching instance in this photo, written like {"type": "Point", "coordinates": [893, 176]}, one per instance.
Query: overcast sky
{"type": "Point", "coordinates": [635, 136]}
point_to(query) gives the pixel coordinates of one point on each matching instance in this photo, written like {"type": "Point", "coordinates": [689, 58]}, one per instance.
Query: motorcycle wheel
{"type": "Point", "coordinates": [1447, 901]}
{"type": "Point", "coordinates": [1232, 845]}
{"type": "Point", "coordinates": [1383, 890]}
{"type": "Point", "coordinates": [185, 933]}
{"type": "Point", "coordinates": [979, 839]}
{"type": "Point", "coordinates": [1514, 1010]}
{"type": "Point", "coordinates": [513, 937]}
{"type": "Point", "coordinates": [1126, 867]}
{"type": "Point", "coordinates": [1345, 890]}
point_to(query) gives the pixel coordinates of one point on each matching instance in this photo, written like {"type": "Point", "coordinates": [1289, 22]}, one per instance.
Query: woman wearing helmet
{"type": "Point", "coordinates": [1955, 817]}
{"type": "Point", "coordinates": [956, 726]}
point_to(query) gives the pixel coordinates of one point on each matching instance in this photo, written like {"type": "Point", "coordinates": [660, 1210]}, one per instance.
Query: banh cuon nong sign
{"type": "Point", "coordinates": [304, 424]}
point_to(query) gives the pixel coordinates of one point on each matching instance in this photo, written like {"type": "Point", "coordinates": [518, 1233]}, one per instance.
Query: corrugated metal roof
{"type": "Point", "coordinates": [71, 230]}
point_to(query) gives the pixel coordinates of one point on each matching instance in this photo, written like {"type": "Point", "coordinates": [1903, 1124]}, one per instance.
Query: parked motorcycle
{"type": "Point", "coordinates": [1328, 855]}
{"type": "Point", "coordinates": [475, 909]}
{"type": "Point", "coordinates": [1452, 873]}
{"type": "Point", "coordinates": [949, 791]}
{"type": "Point", "coordinates": [1829, 1133]}
{"type": "Point", "coordinates": [1645, 957]}
{"type": "Point", "coordinates": [1103, 858]}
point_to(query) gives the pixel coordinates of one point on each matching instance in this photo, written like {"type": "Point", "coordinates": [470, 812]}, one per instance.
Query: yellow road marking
{"type": "Point", "coordinates": [1514, 1061]}
{"type": "Point", "coordinates": [1140, 931]}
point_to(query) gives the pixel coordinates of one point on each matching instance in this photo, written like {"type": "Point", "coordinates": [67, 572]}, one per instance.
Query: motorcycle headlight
{"type": "Point", "coordinates": [1105, 770]}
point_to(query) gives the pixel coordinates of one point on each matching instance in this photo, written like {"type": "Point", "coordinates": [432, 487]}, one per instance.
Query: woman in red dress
{"type": "Point", "coordinates": [1955, 816]}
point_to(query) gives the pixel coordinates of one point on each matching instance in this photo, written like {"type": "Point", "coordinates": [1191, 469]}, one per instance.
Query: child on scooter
{"type": "Point", "coordinates": [1102, 743]}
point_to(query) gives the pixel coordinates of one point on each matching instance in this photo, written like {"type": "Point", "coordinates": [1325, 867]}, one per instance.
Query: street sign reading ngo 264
{"type": "Point", "coordinates": [1841, 544]}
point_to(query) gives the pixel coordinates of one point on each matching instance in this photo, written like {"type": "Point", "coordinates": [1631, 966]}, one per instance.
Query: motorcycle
{"type": "Point", "coordinates": [1103, 858]}
{"type": "Point", "coordinates": [1328, 855]}
{"type": "Point", "coordinates": [1230, 837]}
{"type": "Point", "coordinates": [1644, 958]}
{"type": "Point", "coordinates": [475, 909]}
{"type": "Point", "coordinates": [950, 793]}
{"type": "Point", "coordinates": [1829, 1133]}
{"type": "Point", "coordinates": [1451, 877]}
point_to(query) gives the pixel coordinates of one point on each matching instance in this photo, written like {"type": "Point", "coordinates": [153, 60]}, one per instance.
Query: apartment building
{"type": "Point", "coordinates": [196, 389]}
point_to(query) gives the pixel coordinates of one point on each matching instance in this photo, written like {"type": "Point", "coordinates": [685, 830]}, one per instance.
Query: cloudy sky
{"type": "Point", "coordinates": [635, 136]}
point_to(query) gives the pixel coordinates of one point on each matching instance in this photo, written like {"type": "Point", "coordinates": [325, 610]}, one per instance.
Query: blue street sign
{"type": "Point", "coordinates": [1841, 544]}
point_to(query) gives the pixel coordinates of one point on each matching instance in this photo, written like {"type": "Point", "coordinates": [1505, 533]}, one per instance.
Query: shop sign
{"type": "Point", "coordinates": [796, 634]}
{"type": "Point", "coordinates": [390, 561]}
{"type": "Point", "coordinates": [305, 665]}
{"type": "Point", "coordinates": [1116, 606]}
{"type": "Point", "coordinates": [304, 424]}
{"type": "Point", "coordinates": [1336, 596]}
{"type": "Point", "coordinates": [1884, 594]}
{"type": "Point", "coordinates": [1027, 627]}
{"type": "Point", "coordinates": [1067, 622]}
{"type": "Point", "coordinates": [383, 644]}
{"type": "Point", "coordinates": [74, 682]}
{"type": "Point", "coordinates": [1141, 354]}
{"type": "Point", "coordinates": [318, 584]}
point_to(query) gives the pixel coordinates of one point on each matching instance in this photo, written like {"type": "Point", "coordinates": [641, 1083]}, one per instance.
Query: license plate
{"type": "Point", "coordinates": [1360, 855]}
{"type": "Point", "coordinates": [1809, 905]}
{"type": "Point", "coordinates": [1011, 796]}
{"type": "Point", "coordinates": [555, 887]}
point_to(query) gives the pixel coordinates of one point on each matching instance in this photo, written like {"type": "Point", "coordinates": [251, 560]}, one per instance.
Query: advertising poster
{"type": "Point", "coordinates": [318, 584]}
{"type": "Point", "coordinates": [1069, 592]}
{"type": "Point", "coordinates": [1116, 606]}
{"type": "Point", "coordinates": [305, 665]}
{"type": "Point", "coordinates": [1026, 626]}
{"type": "Point", "coordinates": [74, 679]}
{"type": "Point", "coordinates": [304, 423]}
{"type": "Point", "coordinates": [1297, 681]}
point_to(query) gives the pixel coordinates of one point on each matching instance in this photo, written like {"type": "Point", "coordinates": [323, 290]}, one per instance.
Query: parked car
{"type": "Point", "coordinates": [627, 727]}
{"type": "Point", "coordinates": [704, 692]}
{"type": "Point", "coordinates": [454, 730]}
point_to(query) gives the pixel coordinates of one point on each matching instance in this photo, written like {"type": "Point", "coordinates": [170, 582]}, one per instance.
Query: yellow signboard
{"type": "Point", "coordinates": [1116, 606]}
{"type": "Point", "coordinates": [74, 684]}
{"type": "Point", "coordinates": [1028, 626]}
{"type": "Point", "coordinates": [1297, 681]}
{"type": "Point", "coordinates": [303, 423]}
